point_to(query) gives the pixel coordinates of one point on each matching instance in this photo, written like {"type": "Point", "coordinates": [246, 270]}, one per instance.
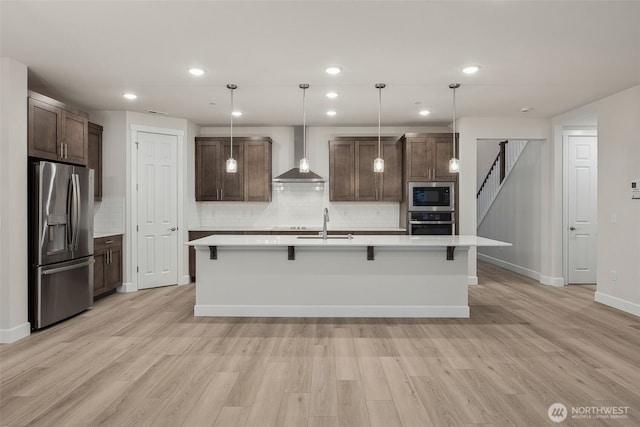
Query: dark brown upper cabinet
{"type": "Point", "coordinates": [428, 156]}
{"type": "Point", "coordinates": [95, 158]}
{"type": "Point", "coordinates": [56, 131]}
{"type": "Point", "coordinates": [252, 181]}
{"type": "Point", "coordinates": [351, 175]}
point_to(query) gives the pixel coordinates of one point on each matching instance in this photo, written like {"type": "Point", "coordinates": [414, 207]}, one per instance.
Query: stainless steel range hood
{"type": "Point", "coordinates": [293, 179]}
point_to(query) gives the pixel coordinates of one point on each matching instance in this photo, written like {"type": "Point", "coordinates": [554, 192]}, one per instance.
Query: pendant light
{"type": "Point", "coordinates": [232, 165]}
{"type": "Point", "coordinates": [454, 163]}
{"type": "Point", "coordinates": [304, 161]}
{"type": "Point", "coordinates": [378, 163]}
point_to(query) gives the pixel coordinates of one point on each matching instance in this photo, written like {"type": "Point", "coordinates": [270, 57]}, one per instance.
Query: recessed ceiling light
{"type": "Point", "coordinates": [333, 70]}
{"type": "Point", "coordinates": [194, 71]}
{"type": "Point", "coordinates": [424, 112]}
{"type": "Point", "coordinates": [129, 95]}
{"type": "Point", "coordinates": [332, 95]}
{"type": "Point", "coordinates": [237, 113]}
{"type": "Point", "coordinates": [331, 113]}
{"type": "Point", "coordinates": [471, 69]}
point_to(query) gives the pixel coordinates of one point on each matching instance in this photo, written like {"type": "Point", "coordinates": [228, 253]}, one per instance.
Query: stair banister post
{"type": "Point", "coordinates": [503, 168]}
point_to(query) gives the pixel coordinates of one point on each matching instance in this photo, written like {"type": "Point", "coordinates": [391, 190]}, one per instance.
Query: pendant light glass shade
{"type": "Point", "coordinates": [232, 165]}
{"type": "Point", "coordinates": [304, 165]}
{"type": "Point", "coordinates": [454, 163]}
{"type": "Point", "coordinates": [304, 161]}
{"type": "Point", "coordinates": [378, 163]}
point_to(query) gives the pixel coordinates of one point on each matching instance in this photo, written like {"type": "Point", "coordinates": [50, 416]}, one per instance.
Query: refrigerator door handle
{"type": "Point", "coordinates": [78, 212]}
{"type": "Point", "coordinates": [68, 267]}
{"type": "Point", "coordinates": [70, 208]}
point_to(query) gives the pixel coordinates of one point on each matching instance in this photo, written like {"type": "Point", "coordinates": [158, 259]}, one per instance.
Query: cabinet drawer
{"type": "Point", "coordinates": [107, 242]}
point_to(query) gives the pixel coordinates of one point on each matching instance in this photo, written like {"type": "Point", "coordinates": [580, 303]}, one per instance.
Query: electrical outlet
{"type": "Point", "coordinates": [614, 275]}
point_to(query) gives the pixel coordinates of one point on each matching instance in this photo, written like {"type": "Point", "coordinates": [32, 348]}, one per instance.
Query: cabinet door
{"type": "Point", "coordinates": [341, 173]}
{"type": "Point", "coordinates": [75, 137]}
{"type": "Point", "coordinates": [442, 152]}
{"type": "Point", "coordinates": [45, 130]}
{"type": "Point", "coordinates": [232, 184]}
{"type": "Point", "coordinates": [257, 168]}
{"type": "Point", "coordinates": [99, 269]}
{"type": "Point", "coordinates": [366, 179]}
{"type": "Point", "coordinates": [208, 160]}
{"type": "Point", "coordinates": [390, 181]}
{"type": "Point", "coordinates": [418, 159]}
{"type": "Point", "coordinates": [114, 268]}
{"type": "Point", "coordinates": [95, 158]}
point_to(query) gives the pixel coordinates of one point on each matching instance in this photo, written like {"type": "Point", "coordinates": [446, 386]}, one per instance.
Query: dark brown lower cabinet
{"type": "Point", "coordinates": [107, 269]}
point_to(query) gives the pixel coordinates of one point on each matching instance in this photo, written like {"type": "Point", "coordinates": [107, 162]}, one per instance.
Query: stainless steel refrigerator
{"type": "Point", "coordinates": [61, 247]}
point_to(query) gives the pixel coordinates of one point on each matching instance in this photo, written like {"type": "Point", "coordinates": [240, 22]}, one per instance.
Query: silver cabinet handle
{"type": "Point", "coordinates": [108, 242]}
{"type": "Point", "coordinates": [61, 150]}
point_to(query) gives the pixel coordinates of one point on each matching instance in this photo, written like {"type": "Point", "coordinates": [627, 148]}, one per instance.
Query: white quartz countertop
{"type": "Point", "coordinates": [332, 241]}
{"type": "Point", "coordinates": [300, 229]}
{"type": "Point", "coordinates": [98, 235]}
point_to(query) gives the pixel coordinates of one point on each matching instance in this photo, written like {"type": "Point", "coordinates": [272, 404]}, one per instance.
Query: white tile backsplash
{"type": "Point", "coordinates": [294, 208]}
{"type": "Point", "coordinates": [109, 216]}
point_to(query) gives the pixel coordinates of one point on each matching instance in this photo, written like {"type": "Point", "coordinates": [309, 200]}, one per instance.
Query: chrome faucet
{"type": "Point", "coordinates": [324, 224]}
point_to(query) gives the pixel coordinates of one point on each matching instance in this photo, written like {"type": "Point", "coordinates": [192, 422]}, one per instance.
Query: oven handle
{"type": "Point", "coordinates": [431, 222]}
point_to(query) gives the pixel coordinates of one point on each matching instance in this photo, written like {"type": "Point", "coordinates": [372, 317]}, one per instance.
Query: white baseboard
{"type": "Point", "coordinates": [545, 280]}
{"type": "Point", "coordinates": [127, 287]}
{"type": "Point", "coordinates": [558, 282]}
{"type": "Point", "coordinates": [185, 280]}
{"type": "Point", "coordinates": [329, 311]}
{"type": "Point", "coordinates": [620, 304]}
{"type": "Point", "coordinates": [7, 336]}
{"type": "Point", "coordinates": [472, 280]}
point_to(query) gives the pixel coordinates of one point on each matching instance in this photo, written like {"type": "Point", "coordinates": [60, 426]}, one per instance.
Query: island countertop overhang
{"type": "Point", "coordinates": [355, 241]}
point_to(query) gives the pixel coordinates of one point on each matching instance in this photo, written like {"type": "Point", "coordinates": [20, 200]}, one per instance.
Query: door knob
{"type": "Point", "coordinates": [173, 228]}
{"type": "Point", "coordinates": [572, 228]}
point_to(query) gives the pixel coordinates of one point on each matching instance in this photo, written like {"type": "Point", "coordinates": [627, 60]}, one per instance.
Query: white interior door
{"type": "Point", "coordinates": [582, 208]}
{"type": "Point", "coordinates": [157, 186]}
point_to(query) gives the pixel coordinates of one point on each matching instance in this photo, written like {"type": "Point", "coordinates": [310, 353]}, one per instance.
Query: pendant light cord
{"type": "Point", "coordinates": [304, 123]}
{"type": "Point", "coordinates": [454, 122]}
{"type": "Point", "coordinates": [231, 139]}
{"type": "Point", "coordinates": [454, 86]}
{"type": "Point", "coordinates": [379, 113]}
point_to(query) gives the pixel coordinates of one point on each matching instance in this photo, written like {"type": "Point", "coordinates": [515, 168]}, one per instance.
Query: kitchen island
{"type": "Point", "coordinates": [342, 276]}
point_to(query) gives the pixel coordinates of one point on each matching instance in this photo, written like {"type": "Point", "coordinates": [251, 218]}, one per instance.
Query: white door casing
{"type": "Point", "coordinates": [582, 206]}
{"type": "Point", "coordinates": [157, 209]}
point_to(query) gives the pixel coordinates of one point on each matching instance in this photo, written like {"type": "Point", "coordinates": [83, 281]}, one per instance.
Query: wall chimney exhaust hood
{"type": "Point", "coordinates": [293, 179]}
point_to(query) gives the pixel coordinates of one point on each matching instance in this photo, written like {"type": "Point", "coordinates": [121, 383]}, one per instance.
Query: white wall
{"type": "Point", "coordinates": [515, 217]}
{"type": "Point", "coordinates": [291, 208]}
{"type": "Point", "coordinates": [473, 129]}
{"type": "Point", "coordinates": [13, 202]}
{"type": "Point", "coordinates": [618, 165]}
{"type": "Point", "coordinates": [109, 213]}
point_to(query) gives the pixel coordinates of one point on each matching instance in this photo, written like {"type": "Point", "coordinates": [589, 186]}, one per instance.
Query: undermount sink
{"type": "Point", "coordinates": [346, 236]}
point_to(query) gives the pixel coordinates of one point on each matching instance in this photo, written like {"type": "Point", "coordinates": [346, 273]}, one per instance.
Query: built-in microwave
{"type": "Point", "coordinates": [431, 196]}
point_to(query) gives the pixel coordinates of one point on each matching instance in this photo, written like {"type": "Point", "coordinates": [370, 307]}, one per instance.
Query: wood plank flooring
{"type": "Point", "coordinates": [142, 359]}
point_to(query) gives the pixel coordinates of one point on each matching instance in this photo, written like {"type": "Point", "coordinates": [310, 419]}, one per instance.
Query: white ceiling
{"type": "Point", "coordinates": [552, 56]}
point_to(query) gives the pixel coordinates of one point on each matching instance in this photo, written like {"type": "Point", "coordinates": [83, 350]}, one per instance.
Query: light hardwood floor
{"type": "Point", "coordinates": [143, 359]}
